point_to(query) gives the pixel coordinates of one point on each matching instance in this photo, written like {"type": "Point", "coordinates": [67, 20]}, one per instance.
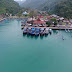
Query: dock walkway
{"type": "Point", "coordinates": [53, 28]}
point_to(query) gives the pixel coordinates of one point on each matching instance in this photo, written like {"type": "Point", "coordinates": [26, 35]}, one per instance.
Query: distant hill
{"type": "Point", "coordinates": [40, 4]}
{"type": "Point", "coordinates": [48, 5]}
{"type": "Point", "coordinates": [20, 2]}
{"type": "Point", "coordinates": [9, 6]}
{"type": "Point", "coordinates": [32, 3]}
{"type": "Point", "coordinates": [64, 8]}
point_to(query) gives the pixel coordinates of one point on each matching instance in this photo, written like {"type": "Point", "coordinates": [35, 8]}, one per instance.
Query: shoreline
{"type": "Point", "coordinates": [12, 17]}
{"type": "Point", "coordinates": [53, 28]}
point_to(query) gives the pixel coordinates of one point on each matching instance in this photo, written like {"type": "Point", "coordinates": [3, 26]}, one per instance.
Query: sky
{"type": "Point", "coordinates": [19, 0]}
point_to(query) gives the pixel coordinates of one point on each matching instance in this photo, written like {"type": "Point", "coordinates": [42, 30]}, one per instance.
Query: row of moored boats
{"type": "Point", "coordinates": [37, 31]}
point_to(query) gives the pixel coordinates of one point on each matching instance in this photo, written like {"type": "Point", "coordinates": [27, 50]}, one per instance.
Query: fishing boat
{"type": "Point", "coordinates": [22, 27]}
{"type": "Point", "coordinates": [46, 31]}
{"type": "Point", "coordinates": [37, 32]}
{"type": "Point", "coordinates": [29, 31]}
{"type": "Point", "coordinates": [33, 31]}
{"type": "Point", "coordinates": [25, 31]}
{"type": "Point", "coordinates": [42, 32]}
{"type": "Point", "coordinates": [23, 23]}
{"type": "Point", "coordinates": [50, 31]}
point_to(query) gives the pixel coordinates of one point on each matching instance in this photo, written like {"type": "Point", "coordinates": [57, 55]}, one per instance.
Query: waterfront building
{"type": "Point", "coordinates": [39, 22]}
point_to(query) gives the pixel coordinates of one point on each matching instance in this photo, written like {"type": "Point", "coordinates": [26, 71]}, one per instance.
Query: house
{"type": "Point", "coordinates": [54, 15]}
{"type": "Point", "coordinates": [62, 18]}
{"type": "Point", "coordinates": [66, 21]}
{"type": "Point", "coordinates": [2, 15]}
{"type": "Point", "coordinates": [40, 17]}
{"type": "Point", "coordinates": [25, 13]}
{"type": "Point", "coordinates": [43, 12]}
{"type": "Point", "coordinates": [31, 20]}
{"type": "Point", "coordinates": [49, 17]}
{"type": "Point", "coordinates": [70, 20]}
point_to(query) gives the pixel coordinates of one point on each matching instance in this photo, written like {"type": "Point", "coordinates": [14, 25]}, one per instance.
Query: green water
{"type": "Point", "coordinates": [20, 53]}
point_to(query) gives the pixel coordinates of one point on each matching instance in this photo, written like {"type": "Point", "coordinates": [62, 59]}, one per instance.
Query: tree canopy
{"type": "Point", "coordinates": [9, 6]}
{"type": "Point", "coordinates": [64, 8]}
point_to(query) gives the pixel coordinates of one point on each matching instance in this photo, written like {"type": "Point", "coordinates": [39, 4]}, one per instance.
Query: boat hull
{"type": "Point", "coordinates": [46, 33]}
{"type": "Point", "coordinates": [24, 32]}
{"type": "Point", "coordinates": [36, 34]}
{"type": "Point", "coordinates": [41, 34]}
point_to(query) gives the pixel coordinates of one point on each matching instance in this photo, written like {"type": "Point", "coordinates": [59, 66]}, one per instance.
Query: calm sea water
{"type": "Point", "coordinates": [20, 53]}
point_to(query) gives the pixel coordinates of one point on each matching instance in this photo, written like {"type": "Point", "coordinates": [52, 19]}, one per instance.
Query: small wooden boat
{"type": "Point", "coordinates": [42, 32]}
{"type": "Point", "coordinates": [23, 24]}
{"type": "Point", "coordinates": [50, 31]}
{"type": "Point", "coordinates": [33, 31]}
{"type": "Point", "coordinates": [29, 31]}
{"type": "Point", "coordinates": [37, 32]}
{"type": "Point", "coordinates": [46, 31]}
{"type": "Point", "coordinates": [25, 31]}
{"type": "Point", "coordinates": [22, 27]}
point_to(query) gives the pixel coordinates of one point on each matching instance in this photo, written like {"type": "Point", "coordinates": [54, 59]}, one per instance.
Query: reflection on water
{"type": "Point", "coordinates": [46, 35]}
{"type": "Point", "coordinates": [55, 31]}
{"type": "Point", "coordinates": [34, 37]}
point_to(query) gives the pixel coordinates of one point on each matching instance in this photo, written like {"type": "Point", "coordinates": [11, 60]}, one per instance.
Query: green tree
{"type": "Point", "coordinates": [9, 6]}
{"type": "Point", "coordinates": [55, 23]}
{"type": "Point", "coordinates": [48, 23]}
{"type": "Point", "coordinates": [33, 13]}
{"type": "Point", "coordinates": [19, 14]}
{"type": "Point", "coordinates": [53, 19]}
{"type": "Point", "coordinates": [2, 10]}
{"type": "Point", "coordinates": [64, 8]}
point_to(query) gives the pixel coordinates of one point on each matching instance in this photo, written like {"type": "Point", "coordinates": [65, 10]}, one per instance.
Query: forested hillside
{"type": "Point", "coordinates": [32, 3]}
{"type": "Point", "coordinates": [9, 6]}
{"type": "Point", "coordinates": [48, 5]}
{"type": "Point", "coordinates": [64, 8]}
{"type": "Point", "coordinates": [40, 4]}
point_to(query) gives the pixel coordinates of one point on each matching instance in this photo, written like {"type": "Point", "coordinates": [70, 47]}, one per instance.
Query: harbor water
{"type": "Point", "coordinates": [24, 53]}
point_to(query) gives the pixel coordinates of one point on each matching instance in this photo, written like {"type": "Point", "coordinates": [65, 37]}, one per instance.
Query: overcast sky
{"type": "Point", "coordinates": [19, 0]}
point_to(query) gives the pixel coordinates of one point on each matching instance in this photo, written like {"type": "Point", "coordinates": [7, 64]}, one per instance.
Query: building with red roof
{"type": "Point", "coordinates": [39, 22]}
{"type": "Point", "coordinates": [49, 17]}
{"type": "Point", "coordinates": [40, 17]}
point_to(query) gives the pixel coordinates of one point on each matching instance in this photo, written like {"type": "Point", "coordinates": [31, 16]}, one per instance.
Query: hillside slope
{"type": "Point", "coordinates": [48, 5]}
{"type": "Point", "coordinates": [40, 4]}
{"type": "Point", "coordinates": [64, 8]}
{"type": "Point", "coordinates": [8, 6]}
{"type": "Point", "coordinates": [33, 3]}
